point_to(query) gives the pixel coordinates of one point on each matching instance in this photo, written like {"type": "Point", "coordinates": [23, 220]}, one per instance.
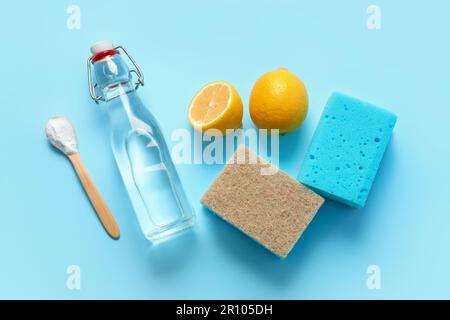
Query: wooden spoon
{"type": "Point", "coordinates": [61, 134]}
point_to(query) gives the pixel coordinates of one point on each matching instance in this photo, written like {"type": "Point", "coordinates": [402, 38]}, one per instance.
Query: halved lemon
{"type": "Point", "coordinates": [216, 106]}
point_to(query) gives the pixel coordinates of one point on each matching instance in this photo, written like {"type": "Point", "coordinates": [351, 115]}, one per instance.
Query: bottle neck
{"type": "Point", "coordinates": [113, 77]}
{"type": "Point", "coordinates": [113, 91]}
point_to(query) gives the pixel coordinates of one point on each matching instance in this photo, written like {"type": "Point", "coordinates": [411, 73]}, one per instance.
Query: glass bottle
{"type": "Point", "coordinates": [139, 147]}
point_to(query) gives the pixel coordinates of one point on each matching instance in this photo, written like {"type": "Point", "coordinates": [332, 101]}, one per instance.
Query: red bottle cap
{"type": "Point", "coordinates": [102, 49]}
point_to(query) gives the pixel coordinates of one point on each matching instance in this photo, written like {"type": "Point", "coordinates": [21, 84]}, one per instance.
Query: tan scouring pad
{"type": "Point", "coordinates": [262, 201]}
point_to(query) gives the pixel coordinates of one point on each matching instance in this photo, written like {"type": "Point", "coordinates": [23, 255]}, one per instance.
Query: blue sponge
{"type": "Point", "coordinates": [345, 153]}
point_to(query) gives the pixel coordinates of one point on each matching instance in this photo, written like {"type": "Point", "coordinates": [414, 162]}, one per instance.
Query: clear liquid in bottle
{"type": "Point", "coordinates": [140, 150]}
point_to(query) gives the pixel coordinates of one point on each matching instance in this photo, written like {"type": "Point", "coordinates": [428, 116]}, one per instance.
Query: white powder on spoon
{"type": "Point", "coordinates": [61, 134]}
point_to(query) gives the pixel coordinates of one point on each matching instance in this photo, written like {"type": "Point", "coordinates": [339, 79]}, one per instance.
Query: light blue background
{"type": "Point", "coordinates": [46, 221]}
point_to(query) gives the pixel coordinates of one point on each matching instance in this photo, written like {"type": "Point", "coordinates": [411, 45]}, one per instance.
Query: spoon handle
{"type": "Point", "coordinates": [100, 206]}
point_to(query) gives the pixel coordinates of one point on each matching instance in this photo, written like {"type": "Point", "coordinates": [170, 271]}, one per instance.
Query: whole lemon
{"type": "Point", "coordinates": [279, 101]}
